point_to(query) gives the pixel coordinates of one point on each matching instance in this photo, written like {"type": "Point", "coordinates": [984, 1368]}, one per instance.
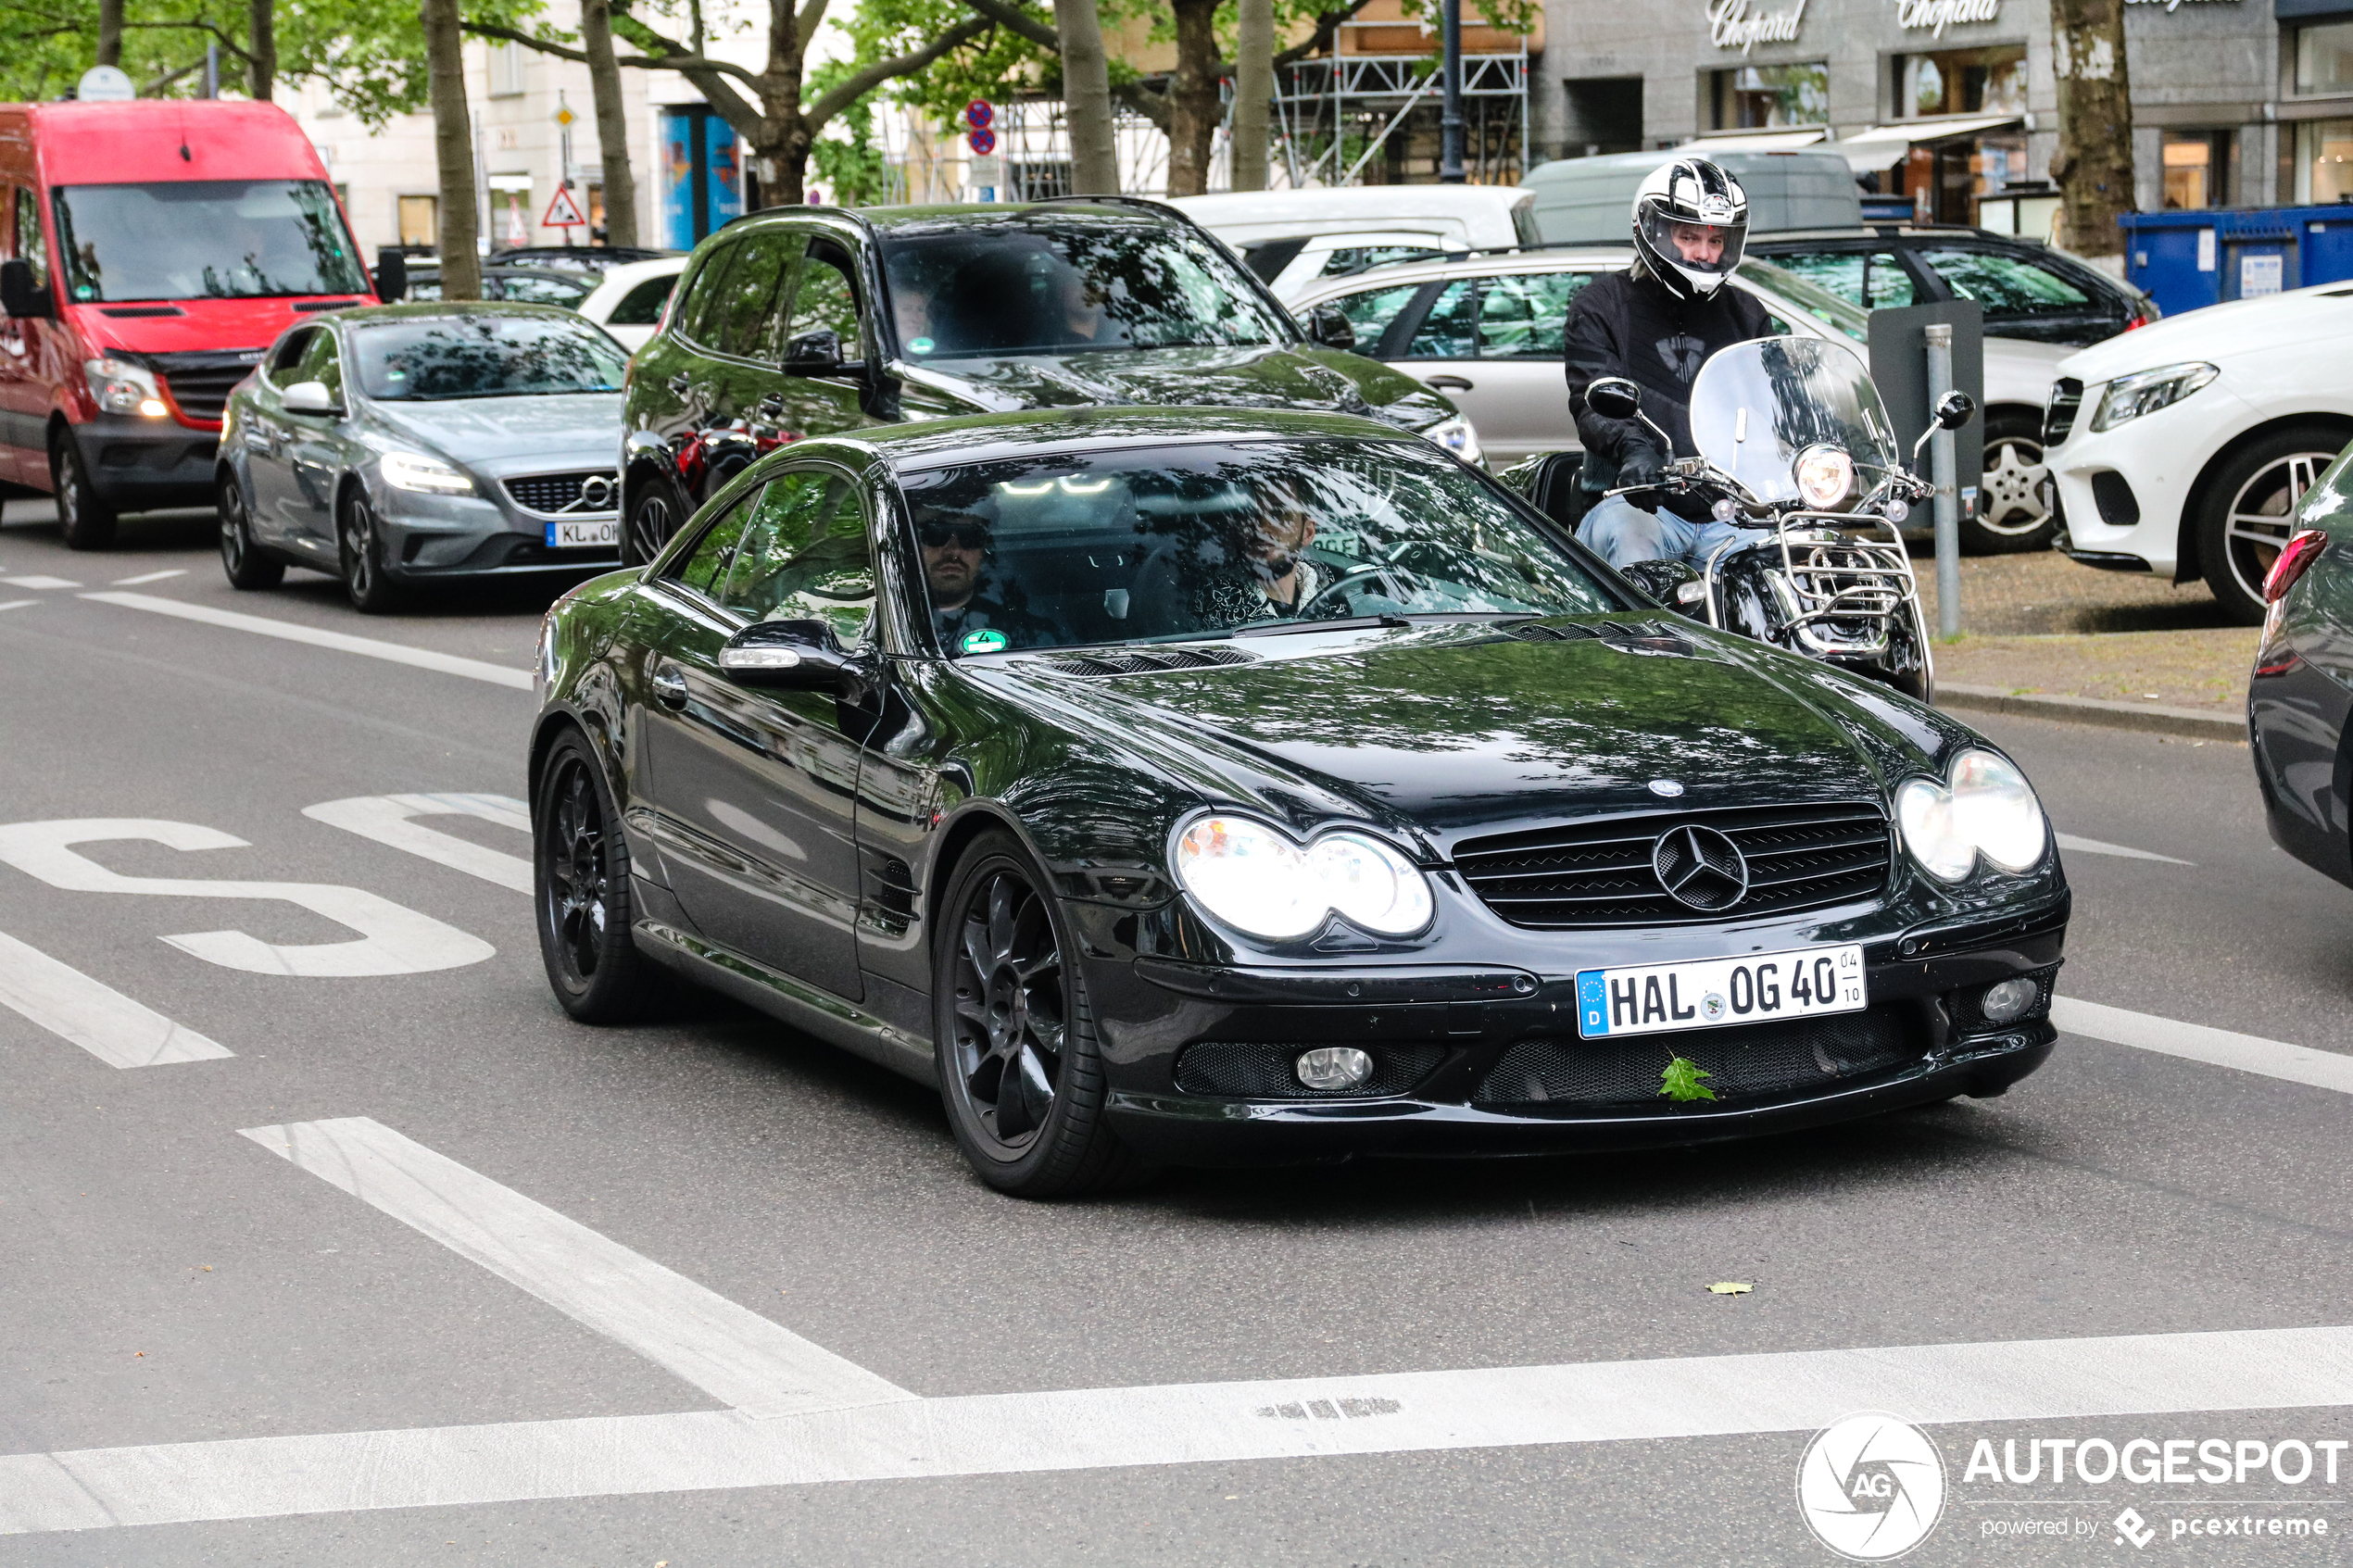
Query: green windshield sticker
{"type": "Point", "coordinates": [920, 345]}
{"type": "Point", "coordinates": [986, 640]}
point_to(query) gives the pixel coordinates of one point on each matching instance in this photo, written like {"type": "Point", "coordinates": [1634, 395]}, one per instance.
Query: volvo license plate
{"type": "Point", "coordinates": [1712, 993]}
{"type": "Point", "coordinates": [583, 535]}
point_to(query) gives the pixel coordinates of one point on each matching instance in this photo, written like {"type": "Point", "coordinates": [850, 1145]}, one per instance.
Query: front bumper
{"type": "Point", "coordinates": [2123, 492]}
{"type": "Point", "coordinates": [143, 465]}
{"type": "Point", "coordinates": [427, 536]}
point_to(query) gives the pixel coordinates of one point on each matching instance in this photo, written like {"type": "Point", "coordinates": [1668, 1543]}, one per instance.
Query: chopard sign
{"type": "Point", "coordinates": [1938, 15]}
{"type": "Point", "coordinates": [1738, 24]}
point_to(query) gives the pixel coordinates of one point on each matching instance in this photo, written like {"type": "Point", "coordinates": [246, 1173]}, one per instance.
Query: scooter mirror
{"type": "Point", "coordinates": [1954, 410]}
{"type": "Point", "coordinates": [1613, 397]}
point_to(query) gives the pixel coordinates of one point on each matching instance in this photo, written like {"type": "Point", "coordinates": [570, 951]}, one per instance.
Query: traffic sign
{"type": "Point", "coordinates": [979, 115]}
{"type": "Point", "coordinates": [563, 116]}
{"type": "Point", "coordinates": [983, 142]}
{"type": "Point", "coordinates": [563, 212]}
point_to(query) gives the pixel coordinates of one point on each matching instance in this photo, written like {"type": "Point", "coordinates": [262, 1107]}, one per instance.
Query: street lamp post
{"type": "Point", "coordinates": [1450, 121]}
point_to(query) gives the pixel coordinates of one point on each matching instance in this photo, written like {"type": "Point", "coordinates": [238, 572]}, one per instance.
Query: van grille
{"type": "Point", "coordinates": [200, 382]}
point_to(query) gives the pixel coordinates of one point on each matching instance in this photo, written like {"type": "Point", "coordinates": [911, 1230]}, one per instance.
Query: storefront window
{"type": "Point", "coordinates": [1769, 97]}
{"type": "Point", "coordinates": [2196, 169]}
{"type": "Point", "coordinates": [2324, 58]}
{"type": "Point", "coordinates": [1961, 82]}
{"type": "Point", "coordinates": [2323, 162]}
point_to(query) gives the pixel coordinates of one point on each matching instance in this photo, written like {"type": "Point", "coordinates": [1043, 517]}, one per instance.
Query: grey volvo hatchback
{"type": "Point", "coordinates": [400, 445]}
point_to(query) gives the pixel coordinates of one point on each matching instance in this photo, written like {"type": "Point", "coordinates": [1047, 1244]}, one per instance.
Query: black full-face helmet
{"type": "Point", "coordinates": [1690, 225]}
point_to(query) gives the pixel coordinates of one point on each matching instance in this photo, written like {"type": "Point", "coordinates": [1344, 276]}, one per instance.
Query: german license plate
{"type": "Point", "coordinates": [1711, 993]}
{"type": "Point", "coordinates": [583, 535]}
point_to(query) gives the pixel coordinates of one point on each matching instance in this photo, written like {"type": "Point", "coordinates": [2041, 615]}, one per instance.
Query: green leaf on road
{"type": "Point", "coordinates": [1682, 1080]}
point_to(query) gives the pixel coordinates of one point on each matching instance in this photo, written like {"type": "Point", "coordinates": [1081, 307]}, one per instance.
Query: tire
{"type": "Point", "coordinates": [242, 560]}
{"type": "Point", "coordinates": [2016, 505]}
{"type": "Point", "coordinates": [580, 885]}
{"type": "Point", "coordinates": [2247, 510]}
{"type": "Point", "coordinates": [653, 517]}
{"type": "Point", "coordinates": [1007, 1005]}
{"type": "Point", "coordinates": [369, 586]}
{"type": "Point", "coordinates": [86, 521]}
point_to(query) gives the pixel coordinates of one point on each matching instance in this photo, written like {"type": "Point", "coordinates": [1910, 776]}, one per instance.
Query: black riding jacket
{"type": "Point", "coordinates": [1629, 324]}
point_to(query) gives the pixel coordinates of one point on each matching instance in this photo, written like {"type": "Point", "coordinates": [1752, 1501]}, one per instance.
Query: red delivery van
{"type": "Point", "coordinates": [149, 252]}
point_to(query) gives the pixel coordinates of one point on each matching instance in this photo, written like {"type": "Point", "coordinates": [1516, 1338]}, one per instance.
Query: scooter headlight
{"type": "Point", "coordinates": [1824, 476]}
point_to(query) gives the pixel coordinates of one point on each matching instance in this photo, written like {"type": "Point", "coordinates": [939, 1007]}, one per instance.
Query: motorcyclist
{"type": "Point", "coordinates": [1656, 323]}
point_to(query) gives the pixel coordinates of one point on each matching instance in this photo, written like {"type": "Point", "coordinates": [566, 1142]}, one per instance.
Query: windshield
{"type": "Point", "coordinates": [434, 359]}
{"type": "Point", "coordinates": [1757, 405]}
{"type": "Point", "coordinates": [206, 239]}
{"type": "Point", "coordinates": [1067, 283]}
{"type": "Point", "coordinates": [1810, 297]}
{"type": "Point", "coordinates": [1199, 541]}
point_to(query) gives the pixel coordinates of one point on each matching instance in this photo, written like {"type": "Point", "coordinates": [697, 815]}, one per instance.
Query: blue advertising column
{"type": "Point", "coordinates": [702, 175]}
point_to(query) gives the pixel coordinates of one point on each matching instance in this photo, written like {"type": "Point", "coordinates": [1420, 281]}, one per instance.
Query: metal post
{"type": "Point", "coordinates": [1943, 471]}
{"type": "Point", "coordinates": [1449, 120]}
{"type": "Point", "coordinates": [212, 68]}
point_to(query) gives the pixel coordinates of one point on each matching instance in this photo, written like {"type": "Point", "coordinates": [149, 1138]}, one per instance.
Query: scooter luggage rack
{"type": "Point", "coordinates": [1872, 584]}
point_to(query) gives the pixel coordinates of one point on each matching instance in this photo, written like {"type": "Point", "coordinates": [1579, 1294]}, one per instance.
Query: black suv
{"type": "Point", "coordinates": [810, 321]}
{"type": "Point", "coordinates": [2028, 290]}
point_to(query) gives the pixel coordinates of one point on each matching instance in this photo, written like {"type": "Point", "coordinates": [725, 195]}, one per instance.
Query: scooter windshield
{"type": "Point", "coordinates": [1757, 405]}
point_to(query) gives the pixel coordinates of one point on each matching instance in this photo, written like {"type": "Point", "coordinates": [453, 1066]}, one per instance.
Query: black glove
{"type": "Point", "coordinates": [1641, 465]}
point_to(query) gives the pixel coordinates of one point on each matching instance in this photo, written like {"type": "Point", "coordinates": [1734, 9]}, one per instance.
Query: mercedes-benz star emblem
{"type": "Point", "coordinates": [1700, 867]}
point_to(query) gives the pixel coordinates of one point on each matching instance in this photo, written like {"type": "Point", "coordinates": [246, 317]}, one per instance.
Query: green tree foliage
{"type": "Point", "coordinates": [851, 167]}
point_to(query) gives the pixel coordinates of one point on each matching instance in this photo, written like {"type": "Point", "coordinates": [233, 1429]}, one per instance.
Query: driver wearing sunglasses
{"type": "Point", "coordinates": [955, 548]}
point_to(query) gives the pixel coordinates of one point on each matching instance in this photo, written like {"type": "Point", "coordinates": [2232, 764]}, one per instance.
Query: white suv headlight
{"type": "Point", "coordinates": [121, 388]}
{"type": "Point", "coordinates": [2144, 391]}
{"type": "Point", "coordinates": [1254, 878]}
{"type": "Point", "coordinates": [414, 470]}
{"type": "Point", "coordinates": [1458, 437]}
{"type": "Point", "coordinates": [1986, 808]}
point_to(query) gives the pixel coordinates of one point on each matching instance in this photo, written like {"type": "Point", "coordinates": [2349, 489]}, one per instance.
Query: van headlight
{"type": "Point", "coordinates": [1985, 807]}
{"type": "Point", "coordinates": [414, 470]}
{"type": "Point", "coordinates": [121, 388]}
{"type": "Point", "coordinates": [2144, 391]}
{"type": "Point", "coordinates": [1458, 437]}
{"type": "Point", "coordinates": [1255, 879]}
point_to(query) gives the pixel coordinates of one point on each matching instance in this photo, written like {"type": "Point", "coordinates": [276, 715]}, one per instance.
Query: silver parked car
{"type": "Point", "coordinates": [400, 445]}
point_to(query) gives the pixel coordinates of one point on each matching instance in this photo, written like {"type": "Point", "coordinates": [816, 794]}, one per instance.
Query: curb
{"type": "Point", "coordinates": [2146, 717]}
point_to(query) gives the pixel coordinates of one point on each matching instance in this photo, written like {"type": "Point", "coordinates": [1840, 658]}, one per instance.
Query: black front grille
{"type": "Point", "coordinates": [560, 492]}
{"type": "Point", "coordinates": [2112, 493]}
{"type": "Point", "coordinates": [1758, 1061]}
{"type": "Point", "coordinates": [200, 382]}
{"type": "Point", "coordinates": [1599, 874]}
{"type": "Point", "coordinates": [2067, 396]}
{"type": "Point", "coordinates": [1142, 662]}
{"type": "Point", "coordinates": [1250, 1070]}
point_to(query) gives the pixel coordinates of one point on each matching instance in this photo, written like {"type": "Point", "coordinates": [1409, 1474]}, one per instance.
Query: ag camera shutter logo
{"type": "Point", "coordinates": [1871, 1486]}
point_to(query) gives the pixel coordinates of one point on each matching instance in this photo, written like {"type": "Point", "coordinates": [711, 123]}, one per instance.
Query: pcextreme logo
{"type": "Point", "coordinates": [1871, 1486]}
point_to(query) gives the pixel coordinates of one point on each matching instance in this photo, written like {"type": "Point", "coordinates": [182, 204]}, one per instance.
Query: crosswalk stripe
{"type": "Point", "coordinates": [2195, 1042]}
{"type": "Point", "coordinates": [369, 647]}
{"type": "Point", "coordinates": [388, 819]}
{"type": "Point", "coordinates": [92, 1015]}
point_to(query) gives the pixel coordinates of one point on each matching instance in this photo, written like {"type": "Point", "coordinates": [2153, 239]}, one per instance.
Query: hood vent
{"type": "Point", "coordinates": [1645, 636]}
{"type": "Point", "coordinates": [1140, 661]}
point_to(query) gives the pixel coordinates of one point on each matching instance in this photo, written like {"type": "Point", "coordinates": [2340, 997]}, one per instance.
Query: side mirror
{"type": "Point", "coordinates": [795, 655]}
{"type": "Point", "coordinates": [814, 354]}
{"type": "Point", "coordinates": [1954, 410]}
{"type": "Point", "coordinates": [1613, 397]}
{"type": "Point", "coordinates": [1666, 581]}
{"type": "Point", "coordinates": [309, 397]}
{"type": "Point", "coordinates": [1328, 327]}
{"type": "Point", "coordinates": [391, 274]}
{"type": "Point", "coordinates": [21, 294]}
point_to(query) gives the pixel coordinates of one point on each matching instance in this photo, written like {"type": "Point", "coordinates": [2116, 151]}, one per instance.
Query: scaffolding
{"type": "Point", "coordinates": [1336, 114]}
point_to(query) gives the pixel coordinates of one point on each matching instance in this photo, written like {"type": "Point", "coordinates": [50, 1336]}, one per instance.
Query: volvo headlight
{"type": "Point", "coordinates": [1824, 476]}
{"type": "Point", "coordinates": [1458, 437]}
{"type": "Point", "coordinates": [1985, 807]}
{"type": "Point", "coordinates": [1255, 879]}
{"type": "Point", "coordinates": [121, 388]}
{"type": "Point", "coordinates": [2144, 391]}
{"type": "Point", "coordinates": [414, 470]}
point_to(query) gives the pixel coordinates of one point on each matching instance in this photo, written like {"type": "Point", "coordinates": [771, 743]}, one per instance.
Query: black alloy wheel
{"type": "Point", "coordinates": [1018, 1063]}
{"type": "Point", "coordinates": [241, 558]}
{"type": "Point", "coordinates": [361, 550]}
{"type": "Point", "coordinates": [86, 520]}
{"type": "Point", "coordinates": [580, 875]}
{"type": "Point", "coordinates": [653, 518]}
{"type": "Point", "coordinates": [2014, 510]}
{"type": "Point", "coordinates": [2246, 510]}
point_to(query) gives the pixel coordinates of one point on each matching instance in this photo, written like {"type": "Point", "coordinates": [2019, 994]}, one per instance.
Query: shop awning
{"type": "Point", "coordinates": [1759, 141]}
{"type": "Point", "coordinates": [1884, 144]}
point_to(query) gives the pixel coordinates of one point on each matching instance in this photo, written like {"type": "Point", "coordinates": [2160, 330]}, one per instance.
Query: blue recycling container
{"type": "Point", "coordinates": [2187, 260]}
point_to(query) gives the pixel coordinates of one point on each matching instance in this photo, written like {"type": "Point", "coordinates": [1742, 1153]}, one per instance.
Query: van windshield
{"type": "Point", "coordinates": [206, 239]}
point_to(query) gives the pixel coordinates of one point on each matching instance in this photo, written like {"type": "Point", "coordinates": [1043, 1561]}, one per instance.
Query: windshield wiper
{"type": "Point", "coordinates": [1284, 628]}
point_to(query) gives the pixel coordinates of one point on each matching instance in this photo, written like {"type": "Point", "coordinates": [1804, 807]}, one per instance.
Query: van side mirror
{"type": "Point", "coordinates": [1613, 397]}
{"type": "Point", "coordinates": [796, 655]}
{"type": "Point", "coordinates": [391, 274]}
{"type": "Point", "coordinates": [1954, 410]}
{"type": "Point", "coordinates": [1328, 327]}
{"type": "Point", "coordinates": [814, 354]}
{"type": "Point", "coordinates": [21, 294]}
{"type": "Point", "coordinates": [309, 397]}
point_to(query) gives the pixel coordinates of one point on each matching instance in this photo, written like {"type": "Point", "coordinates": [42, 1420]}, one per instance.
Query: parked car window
{"type": "Point", "coordinates": [1450, 329]}
{"type": "Point", "coordinates": [537, 287]}
{"type": "Point", "coordinates": [432, 359]}
{"type": "Point", "coordinates": [229, 239]}
{"type": "Point", "coordinates": [1372, 310]}
{"type": "Point", "coordinates": [803, 556]}
{"type": "Point", "coordinates": [2005, 286]}
{"type": "Point", "coordinates": [1873, 279]}
{"type": "Point", "coordinates": [1349, 261]}
{"type": "Point", "coordinates": [31, 245]}
{"type": "Point", "coordinates": [748, 305]}
{"type": "Point", "coordinates": [641, 307]}
{"type": "Point", "coordinates": [1525, 315]}
{"type": "Point", "coordinates": [826, 300]}
{"type": "Point", "coordinates": [1819, 303]}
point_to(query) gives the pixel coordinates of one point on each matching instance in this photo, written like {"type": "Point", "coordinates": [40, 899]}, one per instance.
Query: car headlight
{"type": "Point", "coordinates": [1458, 437]}
{"type": "Point", "coordinates": [2144, 391]}
{"type": "Point", "coordinates": [1985, 808]}
{"type": "Point", "coordinates": [1255, 879]}
{"type": "Point", "coordinates": [1824, 476]}
{"type": "Point", "coordinates": [414, 470]}
{"type": "Point", "coordinates": [121, 388]}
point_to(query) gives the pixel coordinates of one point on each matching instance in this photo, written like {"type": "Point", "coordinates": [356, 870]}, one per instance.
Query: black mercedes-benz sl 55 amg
{"type": "Point", "coordinates": [1208, 786]}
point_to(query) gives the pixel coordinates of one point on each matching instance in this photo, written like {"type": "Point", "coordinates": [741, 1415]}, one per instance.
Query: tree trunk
{"type": "Point", "coordinates": [613, 125]}
{"type": "Point", "coordinates": [2094, 163]}
{"type": "Point", "coordinates": [109, 32]}
{"type": "Point", "coordinates": [1094, 158]}
{"type": "Point", "coordinates": [1192, 97]}
{"type": "Point", "coordinates": [262, 38]}
{"type": "Point", "coordinates": [453, 139]}
{"type": "Point", "coordinates": [1253, 90]}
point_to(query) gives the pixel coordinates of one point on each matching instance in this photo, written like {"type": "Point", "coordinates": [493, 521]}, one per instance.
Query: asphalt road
{"type": "Point", "coordinates": [165, 1280]}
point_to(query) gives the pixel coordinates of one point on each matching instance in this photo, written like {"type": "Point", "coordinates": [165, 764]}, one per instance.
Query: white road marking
{"type": "Point", "coordinates": [1185, 1423]}
{"type": "Point", "coordinates": [2220, 1048]}
{"type": "Point", "coordinates": [96, 1017]}
{"type": "Point", "coordinates": [149, 577]}
{"type": "Point", "coordinates": [2093, 847]}
{"type": "Point", "coordinates": [388, 820]}
{"type": "Point", "coordinates": [18, 604]}
{"type": "Point", "coordinates": [396, 652]}
{"type": "Point", "coordinates": [393, 939]}
{"type": "Point", "coordinates": [727, 1351]}
{"type": "Point", "coordinates": [37, 581]}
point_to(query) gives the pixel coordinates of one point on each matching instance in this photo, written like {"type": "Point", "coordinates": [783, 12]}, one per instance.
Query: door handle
{"type": "Point", "coordinates": [669, 687]}
{"type": "Point", "coordinates": [681, 384]}
{"type": "Point", "coordinates": [1448, 384]}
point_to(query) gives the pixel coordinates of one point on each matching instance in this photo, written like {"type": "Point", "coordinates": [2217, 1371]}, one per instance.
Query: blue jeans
{"type": "Point", "coordinates": [1622, 534]}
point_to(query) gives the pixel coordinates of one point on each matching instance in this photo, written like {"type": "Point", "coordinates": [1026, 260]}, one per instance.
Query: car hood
{"type": "Point", "coordinates": [482, 428]}
{"type": "Point", "coordinates": [1294, 377]}
{"type": "Point", "coordinates": [2241, 329]}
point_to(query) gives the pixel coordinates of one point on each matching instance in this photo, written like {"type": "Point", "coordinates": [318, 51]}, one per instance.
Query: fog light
{"type": "Point", "coordinates": [2007, 1000]}
{"type": "Point", "coordinates": [1334, 1067]}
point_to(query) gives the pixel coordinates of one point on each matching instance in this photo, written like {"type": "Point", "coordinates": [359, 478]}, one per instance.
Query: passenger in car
{"type": "Point", "coordinates": [1257, 571]}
